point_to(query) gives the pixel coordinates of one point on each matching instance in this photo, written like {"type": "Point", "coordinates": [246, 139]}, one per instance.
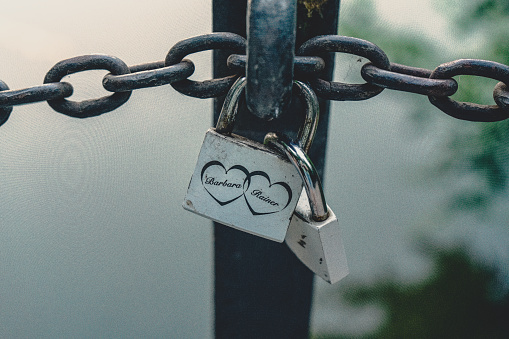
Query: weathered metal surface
{"type": "Point", "coordinates": [308, 68]}
{"type": "Point", "coordinates": [5, 112]}
{"type": "Point", "coordinates": [271, 34]}
{"type": "Point", "coordinates": [302, 64]}
{"type": "Point", "coordinates": [336, 43]}
{"type": "Point", "coordinates": [87, 108]}
{"type": "Point", "coordinates": [231, 42]}
{"type": "Point", "coordinates": [398, 78]}
{"type": "Point", "coordinates": [148, 75]}
{"type": "Point", "coordinates": [501, 95]}
{"type": "Point", "coordinates": [409, 70]}
{"type": "Point", "coordinates": [34, 94]}
{"type": "Point", "coordinates": [471, 111]}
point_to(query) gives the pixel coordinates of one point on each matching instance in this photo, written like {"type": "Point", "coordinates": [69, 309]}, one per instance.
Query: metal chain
{"type": "Point", "coordinates": [379, 73]}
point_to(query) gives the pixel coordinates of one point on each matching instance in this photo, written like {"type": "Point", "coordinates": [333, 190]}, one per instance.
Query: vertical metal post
{"type": "Point", "coordinates": [261, 289]}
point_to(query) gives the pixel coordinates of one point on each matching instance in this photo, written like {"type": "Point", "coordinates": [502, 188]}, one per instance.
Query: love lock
{"type": "Point", "coordinates": [245, 184]}
{"type": "Point", "coordinates": [314, 234]}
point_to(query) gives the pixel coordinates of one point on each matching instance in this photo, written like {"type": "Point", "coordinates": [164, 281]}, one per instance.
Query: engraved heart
{"type": "Point", "coordinates": [224, 186]}
{"type": "Point", "coordinates": [264, 197]}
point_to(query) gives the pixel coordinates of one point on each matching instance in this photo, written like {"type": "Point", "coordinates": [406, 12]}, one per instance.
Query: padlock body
{"type": "Point", "coordinates": [243, 184]}
{"type": "Point", "coordinates": [317, 244]}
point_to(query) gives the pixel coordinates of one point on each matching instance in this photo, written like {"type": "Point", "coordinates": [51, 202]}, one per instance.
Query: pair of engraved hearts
{"type": "Point", "coordinates": [261, 195]}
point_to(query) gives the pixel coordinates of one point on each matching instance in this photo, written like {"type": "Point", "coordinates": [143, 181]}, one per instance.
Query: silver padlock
{"type": "Point", "coordinates": [245, 184]}
{"type": "Point", "coordinates": [314, 234]}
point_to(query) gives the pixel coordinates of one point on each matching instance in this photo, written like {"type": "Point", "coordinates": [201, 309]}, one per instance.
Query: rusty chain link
{"type": "Point", "coordinates": [5, 111]}
{"type": "Point", "coordinates": [379, 73]}
{"type": "Point", "coordinates": [210, 88]}
{"type": "Point", "coordinates": [341, 44]}
{"type": "Point", "coordinates": [470, 111]}
{"type": "Point", "coordinates": [87, 108]}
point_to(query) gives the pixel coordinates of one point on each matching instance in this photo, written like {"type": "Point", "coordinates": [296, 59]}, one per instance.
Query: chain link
{"type": "Point", "coordinates": [5, 111]}
{"type": "Point", "coordinates": [408, 79]}
{"type": "Point", "coordinates": [87, 108]}
{"type": "Point", "coordinates": [465, 110]}
{"type": "Point", "coordinates": [51, 91]}
{"type": "Point", "coordinates": [148, 75]}
{"type": "Point", "coordinates": [210, 88]}
{"type": "Point", "coordinates": [501, 95]}
{"type": "Point", "coordinates": [342, 44]}
{"type": "Point", "coordinates": [379, 73]}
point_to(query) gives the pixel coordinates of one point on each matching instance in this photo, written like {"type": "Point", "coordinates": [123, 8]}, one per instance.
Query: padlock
{"type": "Point", "coordinates": [314, 234]}
{"type": "Point", "coordinates": [245, 184]}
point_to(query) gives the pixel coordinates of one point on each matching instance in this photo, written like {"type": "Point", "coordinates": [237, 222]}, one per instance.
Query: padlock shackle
{"type": "Point", "coordinates": [307, 172]}
{"type": "Point", "coordinates": [307, 131]}
{"type": "Point", "coordinates": [229, 111]}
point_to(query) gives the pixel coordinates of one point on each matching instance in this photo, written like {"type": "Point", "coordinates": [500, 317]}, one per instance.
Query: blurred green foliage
{"type": "Point", "coordinates": [401, 46]}
{"type": "Point", "coordinates": [459, 299]}
{"type": "Point", "coordinates": [474, 152]}
{"type": "Point", "coordinates": [482, 151]}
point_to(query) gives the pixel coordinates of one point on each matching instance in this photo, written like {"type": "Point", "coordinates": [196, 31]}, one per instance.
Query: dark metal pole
{"type": "Point", "coordinates": [261, 289]}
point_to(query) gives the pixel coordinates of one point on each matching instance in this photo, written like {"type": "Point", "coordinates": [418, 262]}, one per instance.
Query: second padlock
{"type": "Point", "coordinates": [314, 234]}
